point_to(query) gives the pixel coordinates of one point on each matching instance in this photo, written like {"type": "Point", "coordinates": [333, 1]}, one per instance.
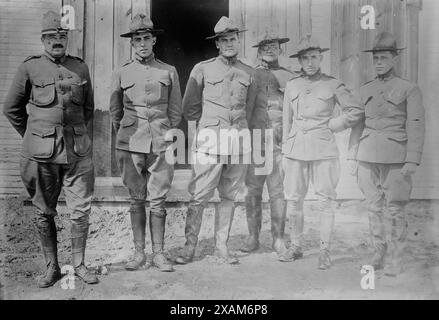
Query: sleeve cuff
{"type": "Point", "coordinates": [413, 156]}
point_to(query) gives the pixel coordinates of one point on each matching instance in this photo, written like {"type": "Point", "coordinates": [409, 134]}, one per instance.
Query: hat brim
{"type": "Point", "coordinates": [280, 40]}
{"type": "Point", "coordinates": [298, 54]}
{"type": "Point", "coordinates": [224, 33]}
{"type": "Point", "coordinates": [54, 31]}
{"type": "Point", "coordinates": [154, 32]}
{"type": "Point", "coordinates": [383, 49]}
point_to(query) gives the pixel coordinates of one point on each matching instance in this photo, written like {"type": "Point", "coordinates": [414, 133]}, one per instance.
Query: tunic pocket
{"type": "Point", "coordinates": [82, 142]}
{"type": "Point", "coordinates": [42, 143]}
{"type": "Point", "coordinates": [78, 92]}
{"type": "Point", "coordinates": [164, 88]}
{"type": "Point", "coordinates": [213, 88]}
{"type": "Point", "coordinates": [43, 92]}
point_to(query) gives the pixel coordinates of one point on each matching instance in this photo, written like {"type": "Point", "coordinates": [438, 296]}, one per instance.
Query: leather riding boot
{"type": "Point", "coordinates": [377, 232]}
{"type": "Point", "coordinates": [278, 214]}
{"type": "Point", "coordinates": [397, 234]}
{"type": "Point", "coordinates": [138, 225]}
{"type": "Point", "coordinates": [326, 230]}
{"type": "Point", "coordinates": [157, 221]}
{"type": "Point", "coordinates": [223, 223]}
{"type": "Point", "coordinates": [295, 215]}
{"type": "Point", "coordinates": [47, 233]}
{"type": "Point", "coordinates": [254, 221]}
{"type": "Point", "coordinates": [194, 217]}
{"type": "Point", "coordinates": [79, 234]}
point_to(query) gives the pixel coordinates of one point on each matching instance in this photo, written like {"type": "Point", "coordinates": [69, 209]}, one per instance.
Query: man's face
{"type": "Point", "coordinates": [228, 45]}
{"type": "Point", "coordinates": [55, 44]}
{"type": "Point", "coordinates": [383, 61]}
{"type": "Point", "coordinates": [143, 44]}
{"type": "Point", "coordinates": [310, 61]}
{"type": "Point", "coordinates": [270, 52]}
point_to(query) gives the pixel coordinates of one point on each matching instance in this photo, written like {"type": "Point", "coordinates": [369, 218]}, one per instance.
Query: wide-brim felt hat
{"type": "Point", "coordinates": [51, 23]}
{"type": "Point", "coordinates": [139, 24]}
{"type": "Point", "coordinates": [308, 43]}
{"type": "Point", "coordinates": [384, 41]}
{"type": "Point", "coordinates": [224, 27]}
{"type": "Point", "coordinates": [269, 38]}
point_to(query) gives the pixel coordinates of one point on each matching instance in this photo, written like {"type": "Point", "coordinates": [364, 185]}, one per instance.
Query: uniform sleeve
{"type": "Point", "coordinates": [415, 125]}
{"type": "Point", "coordinates": [192, 100]}
{"type": "Point", "coordinates": [116, 100]}
{"type": "Point", "coordinates": [352, 110]}
{"type": "Point", "coordinates": [356, 133]}
{"type": "Point", "coordinates": [174, 108]}
{"type": "Point", "coordinates": [287, 114]}
{"type": "Point", "coordinates": [89, 105]}
{"type": "Point", "coordinates": [14, 107]}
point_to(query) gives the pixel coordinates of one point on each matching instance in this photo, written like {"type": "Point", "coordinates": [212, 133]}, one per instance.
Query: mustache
{"type": "Point", "coordinates": [57, 46]}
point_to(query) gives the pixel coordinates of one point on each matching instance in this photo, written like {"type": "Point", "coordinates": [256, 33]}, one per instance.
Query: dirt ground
{"type": "Point", "coordinates": [258, 276]}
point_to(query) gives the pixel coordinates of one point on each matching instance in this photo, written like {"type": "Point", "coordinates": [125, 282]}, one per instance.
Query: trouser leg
{"type": "Point", "coordinates": [41, 180]}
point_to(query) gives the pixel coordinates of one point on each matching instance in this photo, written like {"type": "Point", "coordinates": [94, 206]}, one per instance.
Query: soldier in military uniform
{"type": "Point", "coordinates": [309, 147]}
{"type": "Point", "coordinates": [145, 104]}
{"type": "Point", "coordinates": [271, 79]}
{"type": "Point", "coordinates": [56, 149]}
{"type": "Point", "coordinates": [217, 96]}
{"type": "Point", "coordinates": [385, 151]}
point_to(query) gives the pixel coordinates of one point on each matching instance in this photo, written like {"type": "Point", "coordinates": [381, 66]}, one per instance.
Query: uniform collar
{"type": "Point", "coordinates": [387, 76]}
{"type": "Point", "coordinates": [228, 61]}
{"type": "Point", "coordinates": [146, 60]}
{"type": "Point", "coordinates": [270, 65]}
{"type": "Point", "coordinates": [53, 59]}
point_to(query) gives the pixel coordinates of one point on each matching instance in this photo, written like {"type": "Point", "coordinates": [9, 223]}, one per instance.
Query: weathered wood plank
{"type": "Point", "coordinates": [122, 47]}
{"type": "Point", "coordinates": [305, 25]}
{"type": "Point", "coordinates": [75, 45]}
{"type": "Point", "coordinates": [237, 14]}
{"type": "Point", "coordinates": [252, 26]}
{"type": "Point", "coordinates": [103, 53]}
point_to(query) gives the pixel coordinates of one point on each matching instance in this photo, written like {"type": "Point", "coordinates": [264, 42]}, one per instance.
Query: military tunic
{"type": "Point", "coordinates": [309, 147]}
{"type": "Point", "coordinates": [145, 103]}
{"type": "Point", "coordinates": [50, 103]}
{"type": "Point", "coordinates": [219, 95]}
{"type": "Point", "coordinates": [267, 114]}
{"type": "Point", "coordinates": [391, 135]}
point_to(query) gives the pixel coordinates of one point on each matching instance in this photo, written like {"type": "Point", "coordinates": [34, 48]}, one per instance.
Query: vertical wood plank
{"type": "Point", "coordinates": [252, 25]}
{"type": "Point", "coordinates": [400, 33]}
{"type": "Point", "coordinates": [412, 31]}
{"type": "Point", "coordinates": [103, 69]}
{"type": "Point", "coordinates": [75, 45]}
{"type": "Point", "coordinates": [321, 19]}
{"type": "Point", "coordinates": [89, 36]}
{"type": "Point", "coordinates": [292, 22]}
{"type": "Point", "coordinates": [237, 14]}
{"type": "Point", "coordinates": [122, 19]}
{"type": "Point", "coordinates": [278, 19]}
{"type": "Point", "coordinates": [336, 36]}
{"type": "Point", "coordinates": [305, 25]}
{"type": "Point", "coordinates": [366, 42]}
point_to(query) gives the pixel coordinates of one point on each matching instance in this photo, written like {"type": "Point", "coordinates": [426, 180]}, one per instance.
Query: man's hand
{"type": "Point", "coordinates": [169, 135]}
{"type": "Point", "coordinates": [409, 169]}
{"type": "Point", "coordinates": [353, 166]}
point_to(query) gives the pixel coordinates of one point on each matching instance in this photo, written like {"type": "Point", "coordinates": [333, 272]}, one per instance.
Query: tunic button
{"type": "Point", "coordinates": [308, 91]}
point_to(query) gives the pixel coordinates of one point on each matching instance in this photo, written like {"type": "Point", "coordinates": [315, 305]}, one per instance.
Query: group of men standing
{"type": "Point", "coordinates": [51, 101]}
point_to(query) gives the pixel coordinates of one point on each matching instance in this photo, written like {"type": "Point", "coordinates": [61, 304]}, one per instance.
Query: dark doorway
{"type": "Point", "coordinates": [186, 23]}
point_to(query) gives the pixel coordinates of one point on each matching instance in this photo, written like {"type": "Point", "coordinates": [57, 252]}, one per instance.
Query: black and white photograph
{"type": "Point", "coordinates": [219, 150]}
